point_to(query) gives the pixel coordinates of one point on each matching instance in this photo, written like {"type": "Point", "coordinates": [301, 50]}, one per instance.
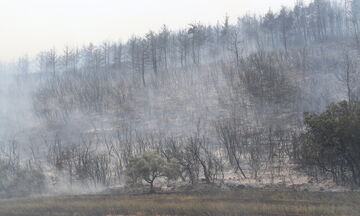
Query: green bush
{"type": "Point", "coordinates": [331, 142]}
{"type": "Point", "coordinates": [149, 167]}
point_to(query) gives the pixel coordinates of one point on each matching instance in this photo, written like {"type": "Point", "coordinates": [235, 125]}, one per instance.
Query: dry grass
{"type": "Point", "coordinates": [247, 203]}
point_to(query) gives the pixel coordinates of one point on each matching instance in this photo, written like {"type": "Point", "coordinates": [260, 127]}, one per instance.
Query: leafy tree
{"type": "Point", "coordinates": [332, 142]}
{"type": "Point", "coordinates": [149, 167]}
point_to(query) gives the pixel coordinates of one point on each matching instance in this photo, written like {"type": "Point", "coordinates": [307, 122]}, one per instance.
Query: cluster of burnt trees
{"type": "Point", "coordinates": [101, 78]}
{"type": "Point", "coordinates": [249, 153]}
{"type": "Point", "coordinates": [266, 71]}
{"type": "Point", "coordinates": [105, 162]}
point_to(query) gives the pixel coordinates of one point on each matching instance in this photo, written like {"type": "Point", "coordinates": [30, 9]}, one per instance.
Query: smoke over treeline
{"type": "Point", "coordinates": [229, 96]}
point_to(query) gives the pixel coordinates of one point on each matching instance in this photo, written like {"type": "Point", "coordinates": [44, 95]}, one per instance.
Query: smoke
{"type": "Point", "coordinates": [97, 98]}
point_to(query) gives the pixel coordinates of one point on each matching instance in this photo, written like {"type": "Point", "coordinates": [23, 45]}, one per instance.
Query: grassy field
{"type": "Point", "coordinates": [246, 202]}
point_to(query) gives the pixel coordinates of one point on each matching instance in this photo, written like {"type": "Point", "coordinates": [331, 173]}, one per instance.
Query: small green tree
{"type": "Point", "coordinates": [149, 167]}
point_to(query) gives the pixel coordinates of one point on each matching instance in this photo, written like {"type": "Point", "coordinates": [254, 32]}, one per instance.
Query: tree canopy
{"type": "Point", "coordinates": [332, 141]}
{"type": "Point", "coordinates": [150, 166]}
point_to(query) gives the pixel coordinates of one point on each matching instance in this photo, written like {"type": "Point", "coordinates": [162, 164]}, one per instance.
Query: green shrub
{"type": "Point", "coordinates": [149, 167]}
{"type": "Point", "coordinates": [331, 142]}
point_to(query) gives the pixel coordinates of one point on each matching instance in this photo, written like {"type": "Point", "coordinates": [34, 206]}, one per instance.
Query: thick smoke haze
{"type": "Point", "coordinates": [219, 94]}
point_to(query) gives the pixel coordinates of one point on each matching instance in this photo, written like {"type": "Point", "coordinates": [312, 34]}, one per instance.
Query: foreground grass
{"type": "Point", "coordinates": [246, 203]}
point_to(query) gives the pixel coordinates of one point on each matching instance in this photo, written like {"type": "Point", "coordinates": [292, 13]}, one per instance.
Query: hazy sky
{"type": "Point", "coordinates": [30, 26]}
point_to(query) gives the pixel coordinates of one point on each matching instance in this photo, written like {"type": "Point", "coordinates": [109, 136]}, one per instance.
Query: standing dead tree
{"type": "Point", "coordinates": [230, 137]}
